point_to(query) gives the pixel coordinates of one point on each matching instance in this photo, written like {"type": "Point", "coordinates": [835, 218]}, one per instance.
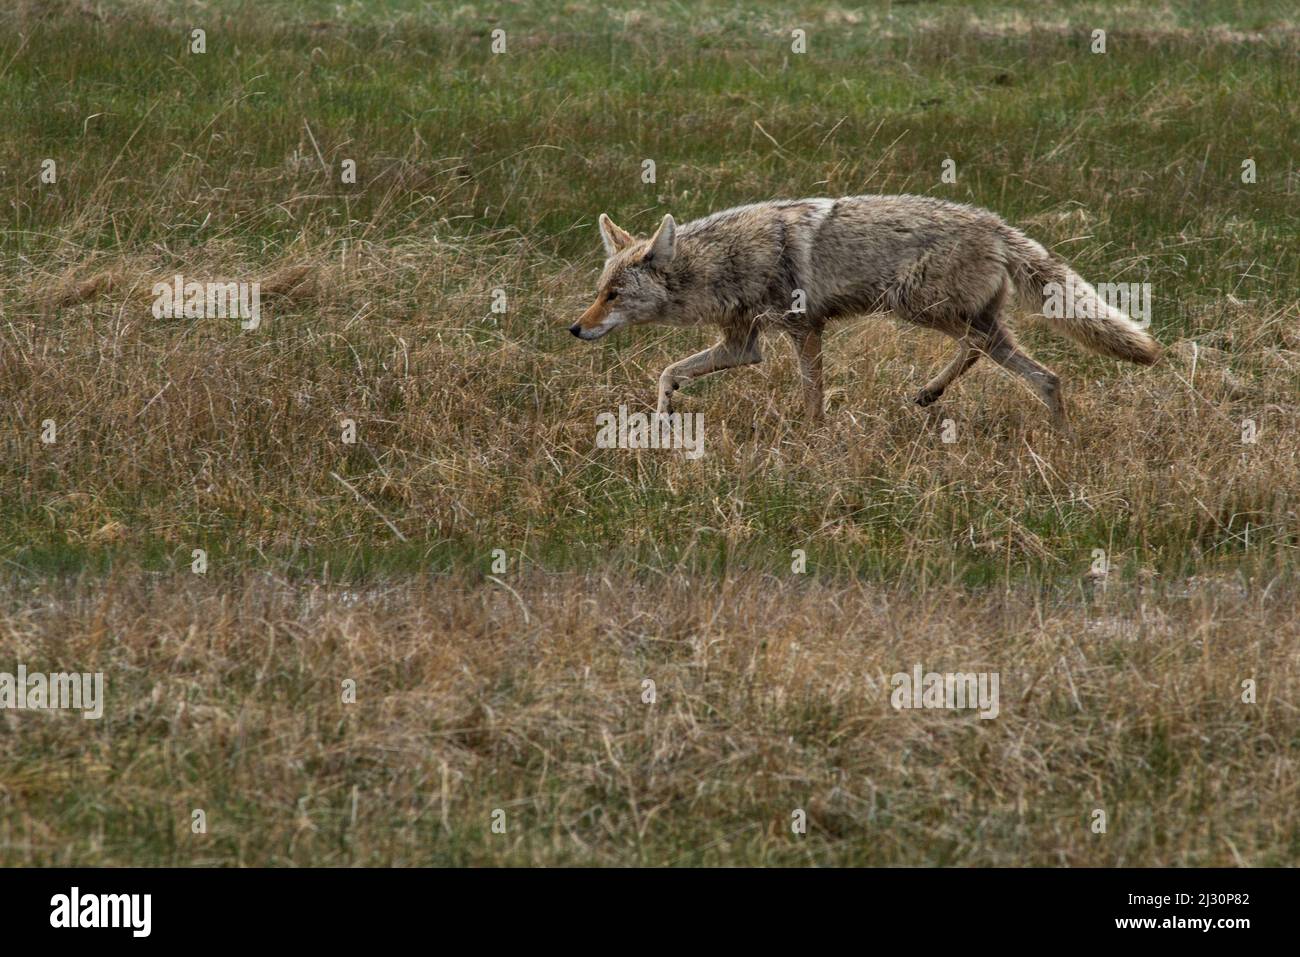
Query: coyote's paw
{"type": "Point", "coordinates": [666, 390]}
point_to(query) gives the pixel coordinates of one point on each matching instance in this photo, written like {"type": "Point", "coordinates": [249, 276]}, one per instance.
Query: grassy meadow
{"type": "Point", "coordinates": [498, 588]}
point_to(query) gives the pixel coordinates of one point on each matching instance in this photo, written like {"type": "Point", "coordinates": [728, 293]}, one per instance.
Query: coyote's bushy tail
{"type": "Point", "coordinates": [1092, 322]}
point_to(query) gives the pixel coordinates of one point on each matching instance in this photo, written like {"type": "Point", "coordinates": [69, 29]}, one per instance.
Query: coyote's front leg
{"type": "Point", "coordinates": [727, 354]}
{"type": "Point", "coordinates": [808, 350]}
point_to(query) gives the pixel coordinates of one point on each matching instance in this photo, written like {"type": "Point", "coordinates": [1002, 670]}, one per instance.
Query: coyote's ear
{"type": "Point", "coordinates": [664, 242]}
{"type": "Point", "coordinates": [614, 238]}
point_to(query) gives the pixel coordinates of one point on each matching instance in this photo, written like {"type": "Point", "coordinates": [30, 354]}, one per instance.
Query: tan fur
{"type": "Point", "coordinates": [1112, 333]}
{"type": "Point", "coordinates": [793, 266]}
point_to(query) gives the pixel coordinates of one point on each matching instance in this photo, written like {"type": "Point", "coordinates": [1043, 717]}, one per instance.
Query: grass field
{"type": "Point", "coordinates": [521, 690]}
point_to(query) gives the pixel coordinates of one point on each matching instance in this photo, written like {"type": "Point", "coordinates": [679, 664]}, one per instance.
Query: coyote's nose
{"type": "Point", "coordinates": [576, 329]}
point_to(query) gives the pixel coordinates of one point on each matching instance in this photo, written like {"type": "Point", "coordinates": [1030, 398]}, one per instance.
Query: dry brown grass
{"type": "Point", "coordinates": [772, 695]}
{"type": "Point", "coordinates": [477, 431]}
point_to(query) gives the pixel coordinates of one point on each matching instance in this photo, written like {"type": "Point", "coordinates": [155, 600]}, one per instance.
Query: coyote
{"type": "Point", "coordinates": [792, 266]}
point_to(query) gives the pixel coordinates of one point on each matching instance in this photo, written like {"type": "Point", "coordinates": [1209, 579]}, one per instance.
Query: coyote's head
{"type": "Point", "coordinates": [632, 286]}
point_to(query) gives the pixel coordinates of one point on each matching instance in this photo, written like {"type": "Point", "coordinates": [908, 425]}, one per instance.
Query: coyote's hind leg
{"type": "Point", "coordinates": [965, 358]}
{"type": "Point", "coordinates": [1003, 349]}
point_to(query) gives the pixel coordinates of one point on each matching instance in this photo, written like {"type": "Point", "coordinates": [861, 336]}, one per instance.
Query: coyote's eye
{"type": "Point", "coordinates": [611, 295]}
